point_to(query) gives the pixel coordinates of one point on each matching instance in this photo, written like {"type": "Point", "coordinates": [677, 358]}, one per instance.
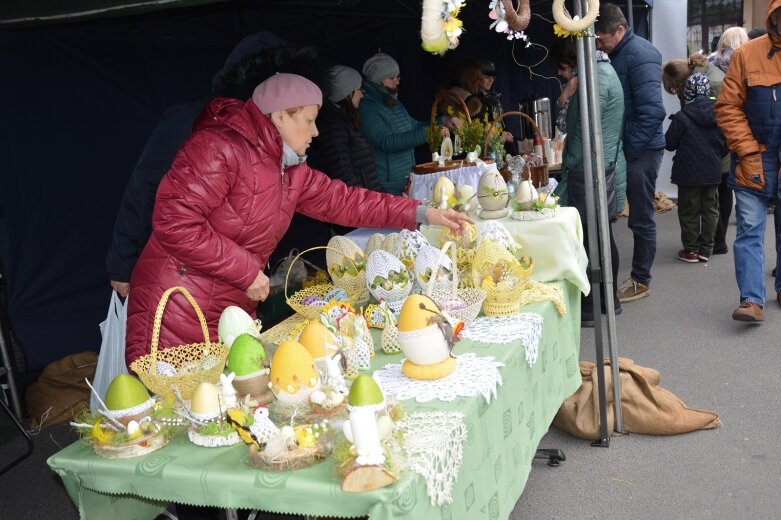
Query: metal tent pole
{"type": "Point", "coordinates": [603, 226]}
{"type": "Point", "coordinates": [598, 226]}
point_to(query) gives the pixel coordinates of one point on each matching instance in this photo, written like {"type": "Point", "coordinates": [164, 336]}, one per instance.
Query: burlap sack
{"type": "Point", "coordinates": [646, 407]}
{"type": "Point", "coordinates": [61, 387]}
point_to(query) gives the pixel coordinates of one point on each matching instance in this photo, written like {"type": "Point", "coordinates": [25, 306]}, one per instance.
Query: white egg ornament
{"type": "Point", "coordinates": [493, 195]}
{"type": "Point", "coordinates": [526, 195]}
{"type": "Point", "coordinates": [206, 401]}
{"type": "Point", "coordinates": [422, 341]}
{"type": "Point", "coordinates": [293, 373]}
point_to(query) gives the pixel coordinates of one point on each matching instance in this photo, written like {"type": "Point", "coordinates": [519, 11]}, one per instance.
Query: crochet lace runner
{"type": "Point", "coordinates": [525, 328]}
{"type": "Point", "coordinates": [434, 442]}
{"type": "Point", "coordinates": [535, 214]}
{"type": "Point", "coordinates": [472, 376]}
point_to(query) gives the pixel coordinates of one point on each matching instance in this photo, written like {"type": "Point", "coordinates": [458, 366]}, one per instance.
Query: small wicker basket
{"type": "Point", "coordinates": [180, 356]}
{"type": "Point", "coordinates": [537, 174]}
{"type": "Point", "coordinates": [469, 300]}
{"type": "Point", "coordinates": [319, 291]}
{"type": "Point", "coordinates": [295, 459]}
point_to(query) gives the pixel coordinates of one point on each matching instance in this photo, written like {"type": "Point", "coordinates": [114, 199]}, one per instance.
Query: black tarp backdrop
{"type": "Point", "coordinates": [80, 100]}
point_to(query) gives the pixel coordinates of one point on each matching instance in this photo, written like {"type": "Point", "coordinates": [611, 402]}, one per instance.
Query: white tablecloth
{"type": "Point", "coordinates": [422, 185]}
{"type": "Point", "coordinates": [555, 244]}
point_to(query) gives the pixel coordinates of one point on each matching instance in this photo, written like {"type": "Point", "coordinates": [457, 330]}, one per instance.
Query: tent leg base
{"type": "Point", "coordinates": [555, 456]}
{"type": "Point", "coordinates": [601, 443]}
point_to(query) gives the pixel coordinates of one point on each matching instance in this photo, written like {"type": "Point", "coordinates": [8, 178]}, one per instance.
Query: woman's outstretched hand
{"type": "Point", "coordinates": [451, 218]}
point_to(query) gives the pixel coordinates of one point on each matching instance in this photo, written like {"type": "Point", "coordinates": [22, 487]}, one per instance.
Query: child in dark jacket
{"type": "Point", "coordinates": [699, 146]}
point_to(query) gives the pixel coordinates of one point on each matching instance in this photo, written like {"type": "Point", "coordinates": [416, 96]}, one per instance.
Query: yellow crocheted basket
{"type": "Point", "coordinates": [501, 276]}
{"type": "Point", "coordinates": [194, 363]}
{"type": "Point", "coordinates": [310, 301]}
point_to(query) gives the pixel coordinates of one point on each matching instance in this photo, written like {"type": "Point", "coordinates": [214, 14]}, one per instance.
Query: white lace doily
{"type": "Point", "coordinates": [472, 376]}
{"type": "Point", "coordinates": [434, 442]}
{"type": "Point", "coordinates": [525, 327]}
{"type": "Point", "coordinates": [535, 215]}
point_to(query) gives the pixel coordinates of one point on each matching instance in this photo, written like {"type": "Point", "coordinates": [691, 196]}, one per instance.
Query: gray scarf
{"type": "Point", "coordinates": [290, 157]}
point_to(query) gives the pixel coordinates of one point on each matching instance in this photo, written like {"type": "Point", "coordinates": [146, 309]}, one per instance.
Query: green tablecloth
{"type": "Point", "coordinates": [501, 443]}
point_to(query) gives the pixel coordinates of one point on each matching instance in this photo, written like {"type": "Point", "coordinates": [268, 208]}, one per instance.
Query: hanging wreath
{"type": "Point", "coordinates": [509, 20]}
{"type": "Point", "coordinates": [567, 26]}
{"type": "Point", "coordinates": [440, 27]}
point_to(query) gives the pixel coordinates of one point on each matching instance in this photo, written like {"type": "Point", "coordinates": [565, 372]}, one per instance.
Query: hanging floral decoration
{"type": "Point", "coordinates": [567, 26]}
{"type": "Point", "coordinates": [509, 20]}
{"type": "Point", "coordinates": [440, 27]}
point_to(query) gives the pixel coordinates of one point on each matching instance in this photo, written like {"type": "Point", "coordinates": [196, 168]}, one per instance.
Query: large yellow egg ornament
{"type": "Point", "coordinates": [318, 340]}
{"type": "Point", "coordinates": [422, 341]}
{"type": "Point", "coordinates": [293, 373]}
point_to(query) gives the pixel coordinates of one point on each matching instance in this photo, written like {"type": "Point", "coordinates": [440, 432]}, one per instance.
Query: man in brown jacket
{"type": "Point", "coordinates": [747, 114]}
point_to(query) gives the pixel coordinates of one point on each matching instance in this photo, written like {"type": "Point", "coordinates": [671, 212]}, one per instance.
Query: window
{"type": "Point", "coordinates": [707, 19]}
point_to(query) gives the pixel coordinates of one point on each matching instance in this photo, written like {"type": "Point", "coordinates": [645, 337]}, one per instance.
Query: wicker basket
{"type": "Point", "coordinates": [537, 174]}
{"type": "Point", "coordinates": [468, 301]}
{"type": "Point", "coordinates": [434, 166]}
{"type": "Point", "coordinates": [319, 291]}
{"type": "Point", "coordinates": [180, 356]}
{"type": "Point", "coordinates": [503, 298]}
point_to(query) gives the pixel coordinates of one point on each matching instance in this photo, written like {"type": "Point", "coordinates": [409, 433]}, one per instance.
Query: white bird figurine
{"type": "Point", "coordinates": [262, 428]}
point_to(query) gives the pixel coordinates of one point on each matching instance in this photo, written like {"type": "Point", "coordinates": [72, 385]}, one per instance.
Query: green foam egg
{"type": "Point", "coordinates": [246, 355]}
{"type": "Point", "coordinates": [125, 391]}
{"type": "Point", "coordinates": [364, 392]}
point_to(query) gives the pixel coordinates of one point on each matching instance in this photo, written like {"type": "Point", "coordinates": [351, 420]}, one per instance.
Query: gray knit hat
{"type": "Point", "coordinates": [344, 80]}
{"type": "Point", "coordinates": [380, 67]}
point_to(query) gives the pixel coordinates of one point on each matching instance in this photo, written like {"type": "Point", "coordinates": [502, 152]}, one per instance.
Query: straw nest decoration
{"type": "Point", "coordinates": [290, 460]}
{"type": "Point", "coordinates": [309, 302]}
{"type": "Point", "coordinates": [136, 448]}
{"type": "Point", "coordinates": [194, 363]}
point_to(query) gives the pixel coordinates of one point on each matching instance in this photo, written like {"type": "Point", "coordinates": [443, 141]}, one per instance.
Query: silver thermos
{"type": "Point", "coordinates": [542, 116]}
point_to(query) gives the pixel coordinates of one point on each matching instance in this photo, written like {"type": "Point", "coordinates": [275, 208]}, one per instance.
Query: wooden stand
{"type": "Point", "coordinates": [366, 478]}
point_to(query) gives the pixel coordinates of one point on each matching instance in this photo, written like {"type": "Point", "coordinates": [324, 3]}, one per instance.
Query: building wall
{"type": "Point", "coordinates": [754, 13]}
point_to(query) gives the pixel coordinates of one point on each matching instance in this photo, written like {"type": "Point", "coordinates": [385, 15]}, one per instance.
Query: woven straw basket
{"type": "Point", "coordinates": [444, 294]}
{"type": "Point", "coordinates": [537, 174]}
{"type": "Point", "coordinates": [312, 312]}
{"type": "Point", "coordinates": [180, 356]}
{"type": "Point", "coordinates": [433, 166]}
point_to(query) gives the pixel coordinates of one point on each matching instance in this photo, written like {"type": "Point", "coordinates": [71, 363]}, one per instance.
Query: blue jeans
{"type": "Point", "coordinates": [641, 176]}
{"type": "Point", "coordinates": [749, 247]}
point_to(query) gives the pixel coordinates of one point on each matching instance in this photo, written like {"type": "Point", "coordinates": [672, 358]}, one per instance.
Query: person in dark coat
{"type": "Point", "coordinates": [340, 150]}
{"type": "Point", "coordinates": [639, 67]}
{"type": "Point", "coordinates": [253, 59]}
{"type": "Point", "coordinates": [699, 146]}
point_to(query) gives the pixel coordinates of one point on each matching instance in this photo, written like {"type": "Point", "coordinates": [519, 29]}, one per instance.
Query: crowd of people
{"type": "Point", "coordinates": [212, 197]}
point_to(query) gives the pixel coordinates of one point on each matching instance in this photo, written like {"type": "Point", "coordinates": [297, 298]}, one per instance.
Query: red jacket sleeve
{"type": "Point", "coordinates": [203, 173]}
{"type": "Point", "coordinates": [333, 201]}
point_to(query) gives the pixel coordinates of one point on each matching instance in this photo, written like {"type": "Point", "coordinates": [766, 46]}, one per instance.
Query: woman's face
{"type": "Point", "coordinates": [487, 82]}
{"type": "Point", "coordinates": [297, 130]}
{"type": "Point", "coordinates": [392, 83]}
{"type": "Point", "coordinates": [356, 97]}
{"type": "Point", "coordinates": [565, 71]}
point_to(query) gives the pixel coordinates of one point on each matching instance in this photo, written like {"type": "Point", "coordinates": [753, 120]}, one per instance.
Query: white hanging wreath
{"type": "Point", "coordinates": [573, 26]}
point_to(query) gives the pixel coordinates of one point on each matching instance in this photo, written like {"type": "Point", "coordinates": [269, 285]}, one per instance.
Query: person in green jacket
{"type": "Point", "coordinates": [611, 103]}
{"type": "Point", "coordinates": [387, 126]}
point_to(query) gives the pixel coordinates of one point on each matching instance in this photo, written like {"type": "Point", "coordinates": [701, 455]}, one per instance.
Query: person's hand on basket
{"type": "Point", "coordinates": [507, 137]}
{"type": "Point", "coordinates": [259, 289]}
{"type": "Point", "coordinates": [452, 123]}
{"type": "Point", "coordinates": [451, 218]}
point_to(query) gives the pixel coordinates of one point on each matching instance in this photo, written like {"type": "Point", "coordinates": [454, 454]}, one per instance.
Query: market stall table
{"type": "Point", "coordinates": [502, 439]}
{"type": "Point", "coordinates": [422, 185]}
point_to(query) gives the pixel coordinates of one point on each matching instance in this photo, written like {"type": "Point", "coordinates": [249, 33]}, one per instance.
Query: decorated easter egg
{"type": "Point", "coordinates": [413, 316]}
{"type": "Point", "coordinates": [125, 391]}
{"type": "Point", "coordinates": [206, 399]}
{"type": "Point", "coordinates": [318, 340]}
{"type": "Point", "coordinates": [293, 373]}
{"type": "Point", "coordinates": [337, 294]}
{"type": "Point", "coordinates": [492, 190]}
{"type": "Point", "coordinates": [365, 392]}
{"type": "Point", "coordinates": [247, 355]}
